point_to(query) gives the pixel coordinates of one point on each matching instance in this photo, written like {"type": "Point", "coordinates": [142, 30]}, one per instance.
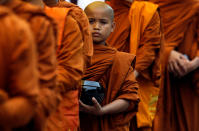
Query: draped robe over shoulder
{"type": "Point", "coordinates": [178, 105]}
{"type": "Point", "coordinates": [114, 70]}
{"type": "Point", "coordinates": [70, 56]}
{"type": "Point", "coordinates": [78, 14]}
{"type": "Point", "coordinates": [73, 12]}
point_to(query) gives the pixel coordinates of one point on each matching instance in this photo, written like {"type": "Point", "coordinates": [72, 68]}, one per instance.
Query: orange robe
{"type": "Point", "coordinates": [78, 14]}
{"type": "Point", "coordinates": [70, 70]}
{"type": "Point", "coordinates": [178, 106]}
{"type": "Point", "coordinates": [18, 73]}
{"type": "Point", "coordinates": [45, 33]}
{"type": "Point", "coordinates": [141, 35]}
{"type": "Point", "coordinates": [120, 38]}
{"type": "Point", "coordinates": [114, 71]}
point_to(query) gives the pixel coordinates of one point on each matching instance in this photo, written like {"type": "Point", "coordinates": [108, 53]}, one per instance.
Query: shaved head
{"type": "Point", "coordinates": [100, 4]}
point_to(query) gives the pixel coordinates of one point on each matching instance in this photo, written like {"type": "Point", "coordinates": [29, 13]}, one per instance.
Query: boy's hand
{"type": "Point", "coordinates": [176, 64]}
{"type": "Point", "coordinates": [96, 109]}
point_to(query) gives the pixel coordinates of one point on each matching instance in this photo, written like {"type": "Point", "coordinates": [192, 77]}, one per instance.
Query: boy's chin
{"type": "Point", "coordinates": [98, 42]}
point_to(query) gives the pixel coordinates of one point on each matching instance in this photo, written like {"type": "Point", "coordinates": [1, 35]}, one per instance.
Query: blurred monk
{"type": "Point", "coordinates": [45, 34]}
{"type": "Point", "coordinates": [178, 106]}
{"type": "Point", "coordinates": [18, 72]}
{"type": "Point", "coordinates": [70, 56]}
{"type": "Point", "coordinates": [140, 35]}
{"type": "Point", "coordinates": [114, 70]}
{"type": "Point", "coordinates": [78, 14]}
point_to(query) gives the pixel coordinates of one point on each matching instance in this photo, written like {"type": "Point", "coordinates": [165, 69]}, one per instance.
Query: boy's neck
{"type": "Point", "coordinates": [101, 43]}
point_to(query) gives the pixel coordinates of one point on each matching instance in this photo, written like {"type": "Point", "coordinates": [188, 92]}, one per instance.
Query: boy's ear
{"type": "Point", "coordinates": [113, 26]}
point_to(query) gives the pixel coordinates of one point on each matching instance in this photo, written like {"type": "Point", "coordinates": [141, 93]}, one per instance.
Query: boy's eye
{"type": "Point", "coordinates": [91, 21]}
{"type": "Point", "coordinates": [103, 22]}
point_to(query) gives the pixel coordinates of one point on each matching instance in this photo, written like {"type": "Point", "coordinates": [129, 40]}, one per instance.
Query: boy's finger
{"type": "Point", "coordinates": [96, 104]}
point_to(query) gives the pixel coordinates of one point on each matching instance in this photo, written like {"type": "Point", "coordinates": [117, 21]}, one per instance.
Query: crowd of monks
{"type": "Point", "coordinates": [144, 53]}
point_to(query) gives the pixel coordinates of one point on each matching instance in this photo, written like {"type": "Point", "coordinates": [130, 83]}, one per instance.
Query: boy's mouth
{"type": "Point", "coordinates": [96, 34]}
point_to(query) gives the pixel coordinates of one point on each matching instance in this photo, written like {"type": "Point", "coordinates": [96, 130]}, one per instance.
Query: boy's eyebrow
{"type": "Point", "coordinates": [103, 19]}
{"type": "Point", "coordinates": [91, 18]}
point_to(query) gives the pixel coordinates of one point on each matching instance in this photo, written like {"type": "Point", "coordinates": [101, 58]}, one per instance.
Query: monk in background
{"type": "Point", "coordinates": [73, 54]}
{"type": "Point", "coordinates": [18, 72]}
{"type": "Point", "coordinates": [141, 35]}
{"type": "Point", "coordinates": [178, 106]}
{"type": "Point", "coordinates": [45, 34]}
{"type": "Point", "coordinates": [114, 71]}
{"type": "Point", "coordinates": [78, 14]}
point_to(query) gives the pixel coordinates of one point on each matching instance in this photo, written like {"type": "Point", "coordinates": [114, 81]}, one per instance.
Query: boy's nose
{"type": "Point", "coordinates": [96, 26]}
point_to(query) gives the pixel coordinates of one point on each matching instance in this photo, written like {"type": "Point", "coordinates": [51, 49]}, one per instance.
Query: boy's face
{"type": "Point", "coordinates": [101, 24]}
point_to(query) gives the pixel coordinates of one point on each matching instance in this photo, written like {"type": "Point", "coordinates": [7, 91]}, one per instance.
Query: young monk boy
{"type": "Point", "coordinates": [18, 72]}
{"type": "Point", "coordinates": [114, 70]}
{"type": "Point", "coordinates": [45, 35]}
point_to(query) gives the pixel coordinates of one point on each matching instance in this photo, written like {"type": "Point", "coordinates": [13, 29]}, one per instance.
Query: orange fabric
{"type": "Point", "coordinates": [70, 71]}
{"type": "Point", "coordinates": [141, 35]}
{"type": "Point", "coordinates": [18, 73]}
{"type": "Point", "coordinates": [60, 18]}
{"type": "Point", "coordinates": [120, 38]}
{"type": "Point", "coordinates": [147, 46]}
{"type": "Point", "coordinates": [139, 21]}
{"type": "Point", "coordinates": [114, 71]}
{"type": "Point", "coordinates": [78, 14]}
{"type": "Point", "coordinates": [149, 40]}
{"type": "Point", "coordinates": [45, 34]}
{"type": "Point", "coordinates": [145, 42]}
{"type": "Point", "coordinates": [178, 106]}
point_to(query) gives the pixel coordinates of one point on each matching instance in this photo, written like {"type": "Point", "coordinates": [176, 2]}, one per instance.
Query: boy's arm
{"type": "Point", "coordinates": [117, 106]}
{"type": "Point", "coordinates": [129, 90]}
{"type": "Point", "coordinates": [114, 107]}
{"type": "Point", "coordinates": [126, 100]}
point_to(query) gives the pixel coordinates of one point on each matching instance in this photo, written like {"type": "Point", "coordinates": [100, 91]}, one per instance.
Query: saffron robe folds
{"type": "Point", "coordinates": [114, 70]}
{"type": "Point", "coordinates": [45, 35]}
{"type": "Point", "coordinates": [18, 72]}
{"type": "Point", "coordinates": [141, 35]}
{"type": "Point", "coordinates": [70, 56]}
{"type": "Point", "coordinates": [78, 14]}
{"type": "Point", "coordinates": [178, 106]}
